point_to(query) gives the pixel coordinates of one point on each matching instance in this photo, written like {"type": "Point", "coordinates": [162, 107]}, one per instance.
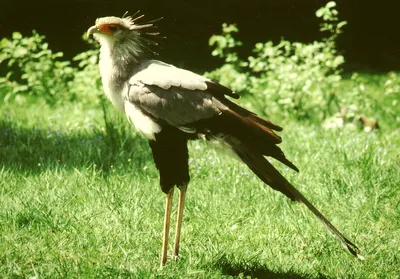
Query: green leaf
{"type": "Point", "coordinates": [331, 4]}
{"type": "Point", "coordinates": [16, 36]}
{"type": "Point", "coordinates": [341, 24]}
{"type": "Point", "coordinates": [4, 43]}
{"type": "Point", "coordinates": [320, 12]}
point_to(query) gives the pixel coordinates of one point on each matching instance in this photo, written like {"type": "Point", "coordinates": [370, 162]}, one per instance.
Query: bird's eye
{"type": "Point", "coordinates": [113, 28]}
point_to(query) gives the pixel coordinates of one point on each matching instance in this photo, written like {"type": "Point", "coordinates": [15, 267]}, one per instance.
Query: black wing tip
{"type": "Point", "coordinates": [234, 95]}
{"type": "Point", "coordinates": [285, 161]}
{"type": "Point", "coordinates": [355, 251]}
{"type": "Point", "coordinates": [352, 249]}
{"type": "Point", "coordinates": [222, 89]}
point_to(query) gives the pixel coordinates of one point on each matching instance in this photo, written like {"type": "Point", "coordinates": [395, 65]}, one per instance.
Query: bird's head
{"type": "Point", "coordinates": [124, 33]}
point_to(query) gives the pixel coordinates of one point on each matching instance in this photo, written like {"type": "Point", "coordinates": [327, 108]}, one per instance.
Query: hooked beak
{"type": "Point", "coordinates": [92, 30]}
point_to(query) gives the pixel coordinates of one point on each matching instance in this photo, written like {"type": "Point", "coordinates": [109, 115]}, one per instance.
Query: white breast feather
{"type": "Point", "coordinates": [142, 122]}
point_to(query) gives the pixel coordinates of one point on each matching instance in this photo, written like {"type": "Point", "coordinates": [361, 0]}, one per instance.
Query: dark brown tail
{"type": "Point", "coordinates": [268, 174]}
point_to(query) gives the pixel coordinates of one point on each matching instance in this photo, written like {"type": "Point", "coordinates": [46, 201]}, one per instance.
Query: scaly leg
{"type": "Point", "coordinates": [182, 195]}
{"type": "Point", "coordinates": [167, 218]}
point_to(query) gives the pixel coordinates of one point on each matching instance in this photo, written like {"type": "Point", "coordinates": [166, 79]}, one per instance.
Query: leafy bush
{"type": "Point", "coordinates": [290, 78]}
{"type": "Point", "coordinates": [33, 69]}
{"type": "Point", "coordinates": [367, 102]}
{"type": "Point", "coordinates": [364, 93]}
{"type": "Point", "coordinates": [87, 81]}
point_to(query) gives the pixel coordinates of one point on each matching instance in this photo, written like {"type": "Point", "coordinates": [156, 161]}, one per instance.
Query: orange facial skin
{"type": "Point", "coordinates": [108, 28]}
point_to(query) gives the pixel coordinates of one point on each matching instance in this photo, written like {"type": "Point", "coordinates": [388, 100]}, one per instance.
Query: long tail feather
{"type": "Point", "coordinates": [268, 174]}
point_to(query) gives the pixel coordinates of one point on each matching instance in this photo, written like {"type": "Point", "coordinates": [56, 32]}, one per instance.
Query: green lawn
{"type": "Point", "coordinates": [80, 199]}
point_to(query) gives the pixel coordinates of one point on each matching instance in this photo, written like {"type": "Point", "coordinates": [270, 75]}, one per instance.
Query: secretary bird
{"type": "Point", "coordinates": [170, 106]}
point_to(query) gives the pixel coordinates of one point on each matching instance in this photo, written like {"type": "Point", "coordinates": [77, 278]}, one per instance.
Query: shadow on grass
{"type": "Point", "coordinates": [254, 270]}
{"type": "Point", "coordinates": [109, 272]}
{"type": "Point", "coordinates": [33, 150]}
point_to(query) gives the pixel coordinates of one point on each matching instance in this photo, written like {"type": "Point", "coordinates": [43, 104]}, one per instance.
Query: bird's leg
{"type": "Point", "coordinates": [182, 195]}
{"type": "Point", "coordinates": [167, 218]}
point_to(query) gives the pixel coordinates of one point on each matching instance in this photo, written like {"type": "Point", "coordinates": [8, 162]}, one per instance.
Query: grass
{"type": "Point", "coordinates": [80, 199]}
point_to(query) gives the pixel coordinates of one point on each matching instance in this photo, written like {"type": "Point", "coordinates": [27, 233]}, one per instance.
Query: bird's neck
{"type": "Point", "coordinates": [117, 65]}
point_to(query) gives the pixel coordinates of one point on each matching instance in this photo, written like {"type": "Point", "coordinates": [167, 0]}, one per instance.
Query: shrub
{"type": "Point", "coordinates": [33, 69]}
{"type": "Point", "coordinates": [289, 78]}
{"type": "Point", "coordinates": [87, 81]}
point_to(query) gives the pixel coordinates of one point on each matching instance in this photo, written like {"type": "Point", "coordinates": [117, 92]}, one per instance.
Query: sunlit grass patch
{"type": "Point", "coordinates": [80, 199]}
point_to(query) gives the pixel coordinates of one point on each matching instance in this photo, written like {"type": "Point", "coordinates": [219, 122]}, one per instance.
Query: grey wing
{"type": "Point", "coordinates": [154, 72]}
{"type": "Point", "coordinates": [176, 106]}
